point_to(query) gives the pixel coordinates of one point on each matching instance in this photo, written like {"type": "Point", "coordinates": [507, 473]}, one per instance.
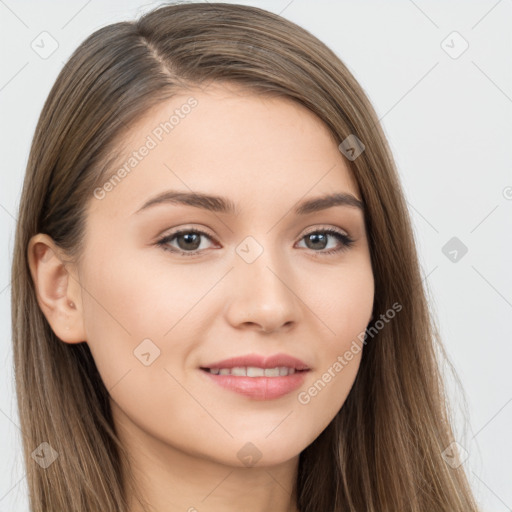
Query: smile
{"type": "Point", "coordinates": [253, 371]}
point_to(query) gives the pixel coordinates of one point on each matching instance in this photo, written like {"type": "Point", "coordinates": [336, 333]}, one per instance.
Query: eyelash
{"type": "Point", "coordinates": [346, 241]}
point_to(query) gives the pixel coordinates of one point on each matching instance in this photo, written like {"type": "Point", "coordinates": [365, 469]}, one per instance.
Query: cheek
{"type": "Point", "coordinates": [344, 305]}
{"type": "Point", "coordinates": [343, 300]}
{"type": "Point", "coordinates": [127, 302]}
{"type": "Point", "coordinates": [117, 311]}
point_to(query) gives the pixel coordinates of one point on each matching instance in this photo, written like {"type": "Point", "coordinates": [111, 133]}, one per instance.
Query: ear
{"type": "Point", "coordinates": [57, 287]}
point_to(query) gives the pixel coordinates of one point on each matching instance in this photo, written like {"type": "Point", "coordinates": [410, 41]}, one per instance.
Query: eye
{"type": "Point", "coordinates": [189, 241]}
{"type": "Point", "coordinates": [319, 240]}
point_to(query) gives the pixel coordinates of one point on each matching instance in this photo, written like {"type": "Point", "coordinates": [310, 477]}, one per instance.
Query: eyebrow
{"type": "Point", "coordinates": [224, 205]}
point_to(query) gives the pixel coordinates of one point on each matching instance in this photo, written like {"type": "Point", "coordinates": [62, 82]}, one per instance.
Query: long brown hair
{"type": "Point", "coordinates": [383, 450]}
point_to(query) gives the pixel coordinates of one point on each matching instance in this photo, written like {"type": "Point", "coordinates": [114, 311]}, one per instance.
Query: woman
{"type": "Point", "coordinates": [217, 302]}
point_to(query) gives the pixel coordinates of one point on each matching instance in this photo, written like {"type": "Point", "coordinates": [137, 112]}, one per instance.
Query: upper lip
{"type": "Point", "coordinates": [258, 361]}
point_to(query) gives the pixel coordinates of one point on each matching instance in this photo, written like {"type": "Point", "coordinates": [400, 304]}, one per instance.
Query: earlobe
{"type": "Point", "coordinates": [58, 291]}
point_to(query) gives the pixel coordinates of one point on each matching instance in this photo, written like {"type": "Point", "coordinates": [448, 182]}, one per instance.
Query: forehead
{"type": "Point", "coordinates": [228, 141]}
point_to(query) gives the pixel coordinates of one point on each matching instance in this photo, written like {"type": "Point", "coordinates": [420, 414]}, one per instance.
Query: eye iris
{"type": "Point", "coordinates": [315, 237]}
{"type": "Point", "coordinates": [195, 238]}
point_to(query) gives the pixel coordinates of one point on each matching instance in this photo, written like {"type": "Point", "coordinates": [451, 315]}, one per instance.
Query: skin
{"type": "Point", "coordinates": [182, 431]}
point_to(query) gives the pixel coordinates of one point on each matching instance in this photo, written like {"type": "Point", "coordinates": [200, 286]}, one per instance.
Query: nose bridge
{"type": "Point", "coordinates": [264, 293]}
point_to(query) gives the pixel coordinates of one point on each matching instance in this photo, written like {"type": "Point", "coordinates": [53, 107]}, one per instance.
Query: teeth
{"type": "Point", "coordinates": [254, 371]}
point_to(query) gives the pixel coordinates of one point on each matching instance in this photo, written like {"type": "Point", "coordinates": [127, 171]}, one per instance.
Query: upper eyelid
{"type": "Point", "coordinates": [309, 230]}
{"type": "Point", "coordinates": [324, 228]}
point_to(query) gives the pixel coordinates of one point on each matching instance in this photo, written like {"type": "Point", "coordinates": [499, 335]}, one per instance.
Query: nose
{"type": "Point", "coordinates": [262, 296]}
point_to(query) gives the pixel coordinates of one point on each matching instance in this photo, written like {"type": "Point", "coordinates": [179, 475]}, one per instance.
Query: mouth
{"type": "Point", "coordinates": [259, 377]}
{"type": "Point", "coordinates": [257, 383]}
{"type": "Point", "coordinates": [255, 371]}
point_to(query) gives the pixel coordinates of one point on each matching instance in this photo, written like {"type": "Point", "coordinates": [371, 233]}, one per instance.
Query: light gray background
{"type": "Point", "coordinates": [448, 121]}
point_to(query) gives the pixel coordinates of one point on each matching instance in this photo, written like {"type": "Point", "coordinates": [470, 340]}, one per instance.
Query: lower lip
{"type": "Point", "coordinates": [260, 388]}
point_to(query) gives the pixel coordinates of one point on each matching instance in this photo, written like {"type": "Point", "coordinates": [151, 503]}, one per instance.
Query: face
{"type": "Point", "coordinates": [175, 286]}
